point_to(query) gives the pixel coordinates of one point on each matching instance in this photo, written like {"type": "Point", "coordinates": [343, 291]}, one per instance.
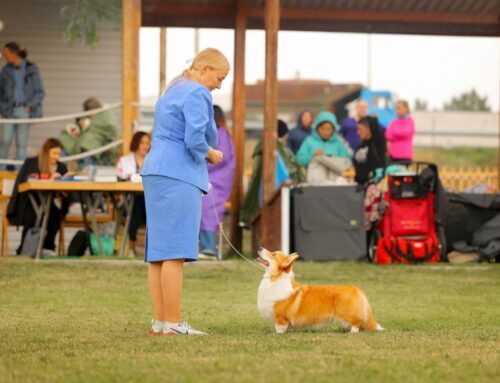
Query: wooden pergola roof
{"type": "Point", "coordinates": [423, 17]}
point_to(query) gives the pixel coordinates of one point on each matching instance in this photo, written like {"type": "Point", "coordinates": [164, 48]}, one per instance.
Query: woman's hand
{"type": "Point", "coordinates": [55, 176]}
{"type": "Point", "coordinates": [318, 152]}
{"type": "Point", "coordinates": [214, 156]}
{"type": "Point", "coordinates": [73, 130]}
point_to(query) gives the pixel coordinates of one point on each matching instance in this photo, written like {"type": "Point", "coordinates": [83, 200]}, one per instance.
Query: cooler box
{"type": "Point", "coordinates": [328, 222]}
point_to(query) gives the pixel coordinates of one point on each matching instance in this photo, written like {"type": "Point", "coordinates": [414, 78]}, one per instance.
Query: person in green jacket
{"type": "Point", "coordinates": [323, 141]}
{"type": "Point", "coordinates": [251, 204]}
{"type": "Point", "coordinates": [91, 133]}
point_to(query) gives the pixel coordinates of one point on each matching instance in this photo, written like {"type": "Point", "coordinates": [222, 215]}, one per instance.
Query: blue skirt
{"type": "Point", "coordinates": [173, 211]}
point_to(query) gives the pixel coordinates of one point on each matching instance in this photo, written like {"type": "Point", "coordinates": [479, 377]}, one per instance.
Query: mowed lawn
{"type": "Point", "coordinates": [88, 321]}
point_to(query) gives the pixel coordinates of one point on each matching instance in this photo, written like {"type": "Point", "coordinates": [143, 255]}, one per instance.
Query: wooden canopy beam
{"type": "Point", "coordinates": [272, 23]}
{"type": "Point", "coordinates": [238, 110]}
{"type": "Point", "coordinates": [131, 24]}
{"type": "Point", "coordinates": [205, 12]}
{"type": "Point", "coordinates": [379, 16]}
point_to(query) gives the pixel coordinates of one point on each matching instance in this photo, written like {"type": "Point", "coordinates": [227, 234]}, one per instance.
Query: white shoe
{"type": "Point", "coordinates": [181, 329]}
{"type": "Point", "coordinates": [207, 257]}
{"type": "Point", "coordinates": [157, 327]}
{"type": "Point", "coordinates": [48, 253]}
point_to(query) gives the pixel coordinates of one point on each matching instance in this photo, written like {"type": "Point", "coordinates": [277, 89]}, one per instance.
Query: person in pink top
{"type": "Point", "coordinates": [400, 133]}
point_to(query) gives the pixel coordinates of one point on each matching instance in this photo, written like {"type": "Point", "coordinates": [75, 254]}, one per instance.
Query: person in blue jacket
{"type": "Point", "coordinates": [303, 130]}
{"type": "Point", "coordinates": [323, 141]}
{"type": "Point", "coordinates": [21, 96]}
{"type": "Point", "coordinates": [175, 175]}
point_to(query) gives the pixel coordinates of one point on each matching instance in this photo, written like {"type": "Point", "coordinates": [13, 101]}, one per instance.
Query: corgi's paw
{"type": "Point", "coordinates": [354, 330]}
{"type": "Point", "coordinates": [281, 329]}
{"type": "Point", "coordinates": [379, 328]}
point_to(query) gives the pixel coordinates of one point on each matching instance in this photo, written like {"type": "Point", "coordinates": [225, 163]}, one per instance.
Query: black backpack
{"type": "Point", "coordinates": [78, 244]}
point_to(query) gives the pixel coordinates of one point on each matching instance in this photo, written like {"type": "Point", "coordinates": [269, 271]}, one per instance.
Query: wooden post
{"type": "Point", "coordinates": [239, 101]}
{"type": "Point", "coordinates": [131, 24]}
{"type": "Point", "coordinates": [163, 60]}
{"type": "Point", "coordinates": [271, 17]}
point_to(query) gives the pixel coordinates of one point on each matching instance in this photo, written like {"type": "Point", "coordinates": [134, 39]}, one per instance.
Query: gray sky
{"type": "Point", "coordinates": [433, 68]}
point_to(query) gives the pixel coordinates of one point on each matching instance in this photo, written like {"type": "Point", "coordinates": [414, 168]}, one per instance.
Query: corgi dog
{"type": "Point", "coordinates": [286, 303]}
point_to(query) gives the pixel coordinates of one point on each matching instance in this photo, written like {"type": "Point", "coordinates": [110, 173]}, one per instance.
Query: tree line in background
{"type": "Point", "coordinates": [467, 101]}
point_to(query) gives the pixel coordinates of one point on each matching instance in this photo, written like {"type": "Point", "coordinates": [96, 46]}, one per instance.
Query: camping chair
{"type": "Point", "coordinates": [7, 181]}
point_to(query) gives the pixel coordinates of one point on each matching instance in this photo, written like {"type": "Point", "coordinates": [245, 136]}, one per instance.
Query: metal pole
{"type": "Point", "coordinates": [196, 41]}
{"type": "Point", "coordinates": [163, 59]}
{"type": "Point", "coordinates": [369, 60]}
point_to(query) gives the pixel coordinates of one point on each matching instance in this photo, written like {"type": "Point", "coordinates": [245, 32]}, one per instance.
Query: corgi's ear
{"type": "Point", "coordinates": [287, 265]}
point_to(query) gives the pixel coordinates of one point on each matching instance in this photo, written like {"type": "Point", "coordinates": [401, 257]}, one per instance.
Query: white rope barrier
{"type": "Point", "coordinates": [63, 117]}
{"type": "Point", "coordinates": [74, 157]}
{"type": "Point", "coordinates": [147, 107]}
{"type": "Point", "coordinates": [93, 152]}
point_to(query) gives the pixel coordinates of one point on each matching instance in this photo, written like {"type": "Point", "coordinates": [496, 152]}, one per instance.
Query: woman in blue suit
{"type": "Point", "coordinates": [175, 176]}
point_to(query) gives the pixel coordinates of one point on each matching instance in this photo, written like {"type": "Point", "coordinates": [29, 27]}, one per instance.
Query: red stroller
{"type": "Point", "coordinates": [411, 227]}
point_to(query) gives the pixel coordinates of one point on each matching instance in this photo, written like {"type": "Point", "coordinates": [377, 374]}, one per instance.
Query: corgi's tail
{"type": "Point", "coordinates": [371, 324]}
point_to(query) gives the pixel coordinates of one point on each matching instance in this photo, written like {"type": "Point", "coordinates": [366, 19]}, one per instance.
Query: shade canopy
{"type": "Point", "coordinates": [422, 17]}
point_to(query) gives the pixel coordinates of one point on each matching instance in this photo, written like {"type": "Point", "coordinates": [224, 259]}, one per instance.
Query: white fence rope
{"type": "Point", "coordinates": [74, 157]}
{"type": "Point", "coordinates": [63, 117]}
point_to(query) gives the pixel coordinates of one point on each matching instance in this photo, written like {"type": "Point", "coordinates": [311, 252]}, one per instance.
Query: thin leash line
{"type": "Point", "coordinates": [225, 236]}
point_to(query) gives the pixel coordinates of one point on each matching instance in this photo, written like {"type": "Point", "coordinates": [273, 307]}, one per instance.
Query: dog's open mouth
{"type": "Point", "coordinates": [262, 261]}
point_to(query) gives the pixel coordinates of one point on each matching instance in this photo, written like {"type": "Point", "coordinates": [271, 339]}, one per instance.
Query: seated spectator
{"type": "Point", "coordinates": [371, 152]}
{"type": "Point", "coordinates": [300, 132]}
{"type": "Point", "coordinates": [287, 167]}
{"type": "Point", "coordinates": [90, 133]}
{"type": "Point", "coordinates": [323, 141]}
{"type": "Point", "coordinates": [20, 211]}
{"type": "Point", "coordinates": [129, 168]}
{"type": "Point", "coordinates": [221, 178]}
{"type": "Point", "coordinates": [400, 134]}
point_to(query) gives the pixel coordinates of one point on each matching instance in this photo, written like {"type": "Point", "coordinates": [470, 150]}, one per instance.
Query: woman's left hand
{"type": "Point", "coordinates": [214, 156]}
{"type": "Point", "coordinates": [55, 176]}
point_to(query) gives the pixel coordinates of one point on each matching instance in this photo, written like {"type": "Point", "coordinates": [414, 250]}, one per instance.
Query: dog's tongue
{"type": "Point", "coordinates": [262, 261]}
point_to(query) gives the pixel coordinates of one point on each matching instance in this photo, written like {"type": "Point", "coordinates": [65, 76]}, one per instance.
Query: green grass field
{"type": "Point", "coordinates": [459, 156]}
{"type": "Point", "coordinates": [88, 321]}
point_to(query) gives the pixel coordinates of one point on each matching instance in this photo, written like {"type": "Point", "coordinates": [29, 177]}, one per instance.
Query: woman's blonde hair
{"type": "Point", "coordinates": [405, 105]}
{"type": "Point", "coordinates": [210, 57]}
{"type": "Point", "coordinates": [44, 164]}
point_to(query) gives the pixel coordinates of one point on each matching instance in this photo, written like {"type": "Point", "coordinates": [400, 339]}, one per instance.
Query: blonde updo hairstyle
{"type": "Point", "coordinates": [209, 57]}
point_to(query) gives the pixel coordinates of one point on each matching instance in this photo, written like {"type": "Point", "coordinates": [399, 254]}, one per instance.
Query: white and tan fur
{"type": "Point", "coordinates": [286, 303]}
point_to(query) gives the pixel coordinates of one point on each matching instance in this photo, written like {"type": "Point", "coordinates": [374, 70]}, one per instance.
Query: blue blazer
{"type": "Point", "coordinates": [184, 130]}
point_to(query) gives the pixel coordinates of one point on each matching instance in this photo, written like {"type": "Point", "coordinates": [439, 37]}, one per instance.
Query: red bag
{"type": "Point", "coordinates": [410, 217]}
{"type": "Point", "coordinates": [401, 250]}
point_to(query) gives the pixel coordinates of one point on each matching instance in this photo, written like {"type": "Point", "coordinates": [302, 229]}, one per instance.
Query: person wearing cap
{"type": "Point", "coordinates": [324, 141]}
{"type": "Point", "coordinates": [294, 169]}
{"type": "Point", "coordinates": [90, 133]}
{"type": "Point", "coordinates": [287, 167]}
